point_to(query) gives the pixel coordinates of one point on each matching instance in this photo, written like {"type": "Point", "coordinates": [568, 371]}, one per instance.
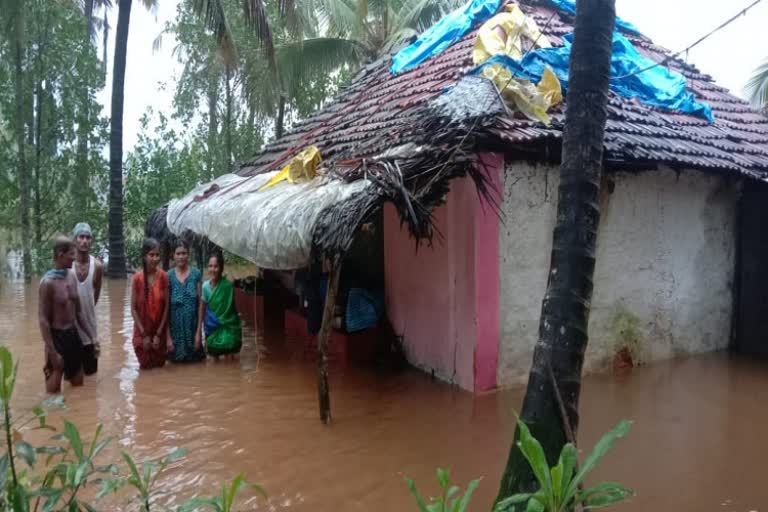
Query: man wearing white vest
{"type": "Point", "coordinates": [89, 271]}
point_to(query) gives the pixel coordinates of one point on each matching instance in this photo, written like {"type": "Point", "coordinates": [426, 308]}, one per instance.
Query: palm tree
{"type": "Point", "coordinates": [117, 267]}
{"type": "Point", "coordinates": [550, 406]}
{"type": "Point", "coordinates": [297, 17]}
{"type": "Point", "coordinates": [358, 31]}
{"type": "Point", "coordinates": [327, 35]}
{"type": "Point", "coordinates": [374, 27]}
{"type": "Point", "coordinates": [212, 11]}
{"type": "Point", "coordinates": [757, 87]}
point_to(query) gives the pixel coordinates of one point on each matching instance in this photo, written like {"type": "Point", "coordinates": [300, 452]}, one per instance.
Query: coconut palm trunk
{"type": "Point", "coordinates": [83, 124]}
{"type": "Point", "coordinates": [116, 240]}
{"type": "Point", "coordinates": [550, 406]}
{"type": "Point", "coordinates": [228, 149]}
{"type": "Point", "coordinates": [213, 129]}
{"type": "Point", "coordinates": [104, 41]}
{"type": "Point", "coordinates": [280, 121]}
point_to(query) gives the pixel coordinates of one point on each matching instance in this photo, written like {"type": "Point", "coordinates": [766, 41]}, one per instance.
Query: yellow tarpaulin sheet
{"type": "Point", "coordinates": [503, 34]}
{"type": "Point", "coordinates": [301, 168]}
{"type": "Point", "coordinates": [532, 100]}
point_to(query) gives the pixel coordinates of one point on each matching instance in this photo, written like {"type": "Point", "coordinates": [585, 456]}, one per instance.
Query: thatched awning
{"type": "Point", "coordinates": [272, 228]}
{"type": "Point", "coordinates": [283, 226]}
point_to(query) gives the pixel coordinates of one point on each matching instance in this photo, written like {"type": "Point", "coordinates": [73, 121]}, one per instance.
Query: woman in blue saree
{"type": "Point", "coordinates": [185, 299]}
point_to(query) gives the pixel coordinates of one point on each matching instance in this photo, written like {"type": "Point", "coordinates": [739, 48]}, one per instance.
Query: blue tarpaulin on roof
{"type": "Point", "coordinates": [569, 6]}
{"type": "Point", "coordinates": [444, 33]}
{"type": "Point", "coordinates": [455, 25]}
{"type": "Point", "coordinates": [658, 86]}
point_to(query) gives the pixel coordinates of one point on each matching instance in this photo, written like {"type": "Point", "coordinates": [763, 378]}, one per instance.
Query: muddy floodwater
{"type": "Point", "coordinates": [698, 442]}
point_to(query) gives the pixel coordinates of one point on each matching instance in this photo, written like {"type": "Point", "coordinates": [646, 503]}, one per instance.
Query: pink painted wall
{"type": "Point", "coordinates": [444, 299]}
{"type": "Point", "coordinates": [487, 280]}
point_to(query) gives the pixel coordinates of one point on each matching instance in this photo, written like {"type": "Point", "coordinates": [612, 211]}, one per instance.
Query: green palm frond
{"type": "Point", "coordinates": [757, 86]}
{"type": "Point", "coordinates": [362, 9]}
{"type": "Point", "coordinates": [301, 62]}
{"type": "Point", "coordinates": [418, 15]}
{"type": "Point", "coordinates": [378, 7]}
{"type": "Point", "coordinates": [308, 25]}
{"type": "Point", "coordinates": [286, 6]}
{"type": "Point", "coordinates": [260, 87]}
{"type": "Point", "coordinates": [157, 42]}
{"type": "Point", "coordinates": [257, 19]}
{"type": "Point", "coordinates": [433, 13]}
{"type": "Point", "coordinates": [342, 17]}
{"type": "Point", "coordinates": [288, 10]}
{"type": "Point", "coordinates": [215, 19]}
{"type": "Point", "coordinates": [151, 6]}
{"type": "Point", "coordinates": [397, 37]}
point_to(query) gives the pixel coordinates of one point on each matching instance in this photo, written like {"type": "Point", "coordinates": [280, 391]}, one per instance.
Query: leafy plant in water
{"type": "Point", "coordinates": [143, 478]}
{"type": "Point", "coordinates": [74, 470]}
{"type": "Point", "coordinates": [59, 487]}
{"type": "Point", "coordinates": [225, 500]}
{"type": "Point", "coordinates": [450, 500]}
{"type": "Point", "coordinates": [560, 486]}
{"type": "Point", "coordinates": [71, 464]}
{"type": "Point", "coordinates": [142, 481]}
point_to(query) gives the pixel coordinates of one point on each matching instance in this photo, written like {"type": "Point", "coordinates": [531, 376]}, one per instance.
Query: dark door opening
{"type": "Point", "coordinates": [751, 334]}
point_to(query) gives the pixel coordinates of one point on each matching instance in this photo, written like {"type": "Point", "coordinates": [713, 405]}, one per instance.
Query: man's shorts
{"type": "Point", "coordinates": [90, 361]}
{"type": "Point", "coordinates": [69, 346]}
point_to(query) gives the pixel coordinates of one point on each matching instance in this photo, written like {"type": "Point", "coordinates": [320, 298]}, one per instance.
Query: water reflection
{"type": "Point", "coordinates": [129, 370]}
{"type": "Point", "coordinates": [695, 444]}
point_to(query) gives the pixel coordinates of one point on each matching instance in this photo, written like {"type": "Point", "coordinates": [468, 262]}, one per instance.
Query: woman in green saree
{"type": "Point", "coordinates": [218, 317]}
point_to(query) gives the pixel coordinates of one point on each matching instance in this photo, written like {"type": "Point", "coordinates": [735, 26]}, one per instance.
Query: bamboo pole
{"type": "Point", "coordinates": [326, 328]}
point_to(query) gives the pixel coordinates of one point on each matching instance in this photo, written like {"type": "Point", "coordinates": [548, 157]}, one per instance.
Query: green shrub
{"type": "Point", "coordinates": [51, 478]}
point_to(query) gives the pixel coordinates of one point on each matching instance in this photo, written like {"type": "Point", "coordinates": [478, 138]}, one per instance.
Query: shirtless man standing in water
{"type": "Point", "coordinates": [59, 313]}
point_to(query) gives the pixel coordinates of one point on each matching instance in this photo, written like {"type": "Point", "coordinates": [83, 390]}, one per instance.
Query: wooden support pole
{"type": "Point", "coordinates": [326, 328]}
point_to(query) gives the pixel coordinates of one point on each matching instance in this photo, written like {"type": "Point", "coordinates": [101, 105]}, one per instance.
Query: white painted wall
{"type": "Point", "coordinates": [665, 263]}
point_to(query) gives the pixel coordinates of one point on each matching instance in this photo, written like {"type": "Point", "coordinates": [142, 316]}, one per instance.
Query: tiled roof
{"type": "Point", "coordinates": [378, 109]}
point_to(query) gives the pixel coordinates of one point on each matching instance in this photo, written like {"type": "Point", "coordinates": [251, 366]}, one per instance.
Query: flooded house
{"type": "Point", "coordinates": [460, 176]}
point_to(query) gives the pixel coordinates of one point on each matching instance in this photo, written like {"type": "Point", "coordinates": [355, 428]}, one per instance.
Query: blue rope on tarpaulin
{"type": "Point", "coordinates": [658, 86]}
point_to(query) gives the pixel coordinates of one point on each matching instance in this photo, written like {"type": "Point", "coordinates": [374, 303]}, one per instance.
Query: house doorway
{"type": "Point", "coordinates": [751, 335]}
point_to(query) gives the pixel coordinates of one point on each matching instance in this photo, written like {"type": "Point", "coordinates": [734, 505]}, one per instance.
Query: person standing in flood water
{"type": "Point", "coordinates": [59, 314]}
{"type": "Point", "coordinates": [217, 315]}
{"type": "Point", "coordinates": [89, 271]}
{"type": "Point", "coordinates": [183, 344]}
{"type": "Point", "coordinates": [149, 308]}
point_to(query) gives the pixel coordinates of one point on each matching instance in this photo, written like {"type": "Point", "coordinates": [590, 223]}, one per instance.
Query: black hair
{"type": "Point", "coordinates": [61, 244]}
{"type": "Point", "coordinates": [148, 245]}
{"type": "Point", "coordinates": [180, 242]}
{"type": "Point", "coordinates": [219, 259]}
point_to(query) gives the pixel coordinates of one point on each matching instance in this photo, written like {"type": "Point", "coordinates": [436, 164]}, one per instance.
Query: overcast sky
{"type": "Point", "coordinates": [729, 56]}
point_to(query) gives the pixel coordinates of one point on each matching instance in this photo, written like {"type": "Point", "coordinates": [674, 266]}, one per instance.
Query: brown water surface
{"type": "Point", "coordinates": [697, 443]}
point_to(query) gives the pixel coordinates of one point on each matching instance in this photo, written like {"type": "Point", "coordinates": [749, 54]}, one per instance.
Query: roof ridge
{"type": "Point", "coordinates": [390, 102]}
